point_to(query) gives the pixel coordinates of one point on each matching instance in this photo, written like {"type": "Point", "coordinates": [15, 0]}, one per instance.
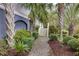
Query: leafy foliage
{"type": "Point", "coordinates": [3, 47]}
{"type": "Point", "coordinates": [29, 41]}
{"type": "Point", "coordinates": [20, 47]}
{"type": "Point", "coordinates": [76, 36]}
{"type": "Point", "coordinates": [53, 29]}
{"type": "Point", "coordinates": [23, 40]}
{"type": "Point", "coordinates": [20, 35]}
{"type": "Point", "coordinates": [71, 15]}
{"type": "Point", "coordinates": [41, 15]}
{"type": "Point", "coordinates": [53, 37]}
{"type": "Point", "coordinates": [74, 44]}
{"type": "Point", "coordinates": [35, 34]}
{"type": "Point", "coordinates": [67, 38]}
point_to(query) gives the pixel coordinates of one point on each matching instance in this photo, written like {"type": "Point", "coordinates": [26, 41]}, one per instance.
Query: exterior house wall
{"type": "Point", "coordinates": [20, 23]}
{"type": "Point", "coordinates": [2, 23]}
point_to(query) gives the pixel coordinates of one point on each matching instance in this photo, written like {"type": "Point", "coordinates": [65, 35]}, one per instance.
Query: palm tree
{"type": "Point", "coordinates": [9, 23]}
{"type": "Point", "coordinates": [71, 17]}
{"type": "Point", "coordinates": [61, 18]}
{"type": "Point", "coordinates": [38, 11]}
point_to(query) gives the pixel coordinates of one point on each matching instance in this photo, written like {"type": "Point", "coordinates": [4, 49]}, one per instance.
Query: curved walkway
{"type": "Point", "coordinates": [40, 47]}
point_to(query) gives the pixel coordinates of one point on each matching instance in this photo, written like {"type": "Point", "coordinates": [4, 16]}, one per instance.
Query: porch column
{"type": "Point", "coordinates": [47, 29]}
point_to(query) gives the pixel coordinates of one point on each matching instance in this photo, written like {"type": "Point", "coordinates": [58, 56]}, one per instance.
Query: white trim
{"type": "Point", "coordinates": [17, 13]}
{"type": "Point", "coordinates": [2, 7]}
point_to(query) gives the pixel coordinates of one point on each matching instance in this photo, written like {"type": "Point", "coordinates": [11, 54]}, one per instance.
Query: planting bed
{"type": "Point", "coordinates": [12, 52]}
{"type": "Point", "coordinates": [58, 49]}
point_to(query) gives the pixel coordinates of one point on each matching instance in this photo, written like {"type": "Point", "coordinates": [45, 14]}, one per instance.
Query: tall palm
{"type": "Point", "coordinates": [9, 23]}
{"type": "Point", "coordinates": [71, 17]}
{"type": "Point", "coordinates": [38, 11]}
{"type": "Point", "coordinates": [61, 18]}
{"type": "Point", "coordinates": [53, 16]}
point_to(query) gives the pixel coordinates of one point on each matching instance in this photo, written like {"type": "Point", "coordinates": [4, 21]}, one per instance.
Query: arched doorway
{"type": "Point", "coordinates": [20, 25]}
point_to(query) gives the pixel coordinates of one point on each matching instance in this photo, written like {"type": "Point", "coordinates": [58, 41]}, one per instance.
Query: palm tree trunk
{"type": "Point", "coordinates": [9, 23]}
{"type": "Point", "coordinates": [71, 29]}
{"type": "Point", "coordinates": [61, 18]}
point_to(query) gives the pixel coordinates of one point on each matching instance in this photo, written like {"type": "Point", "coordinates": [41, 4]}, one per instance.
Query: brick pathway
{"type": "Point", "coordinates": [40, 47]}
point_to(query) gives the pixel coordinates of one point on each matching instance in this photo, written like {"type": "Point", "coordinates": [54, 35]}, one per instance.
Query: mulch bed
{"type": "Point", "coordinates": [58, 49]}
{"type": "Point", "coordinates": [12, 52]}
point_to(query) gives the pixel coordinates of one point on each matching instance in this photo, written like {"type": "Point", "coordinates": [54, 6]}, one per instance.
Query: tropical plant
{"type": "Point", "coordinates": [53, 29]}
{"type": "Point", "coordinates": [23, 40]}
{"type": "Point", "coordinates": [29, 42]}
{"type": "Point", "coordinates": [20, 47]}
{"type": "Point", "coordinates": [20, 35]}
{"type": "Point", "coordinates": [71, 17]}
{"type": "Point", "coordinates": [35, 34]}
{"type": "Point", "coordinates": [38, 11]}
{"type": "Point", "coordinates": [67, 38]}
{"type": "Point", "coordinates": [53, 37]}
{"type": "Point", "coordinates": [74, 44]}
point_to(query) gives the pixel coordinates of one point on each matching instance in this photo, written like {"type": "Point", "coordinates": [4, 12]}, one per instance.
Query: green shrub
{"type": "Point", "coordinates": [35, 34]}
{"type": "Point", "coordinates": [65, 32]}
{"type": "Point", "coordinates": [53, 37]}
{"type": "Point", "coordinates": [58, 35]}
{"type": "Point", "coordinates": [25, 45]}
{"type": "Point", "coordinates": [3, 47]}
{"type": "Point", "coordinates": [76, 36]}
{"type": "Point", "coordinates": [53, 29]}
{"type": "Point", "coordinates": [67, 38]}
{"type": "Point", "coordinates": [74, 44]}
{"type": "Point", "coordinates": [20, 47]}
{"type": "Point", "coordinates": [23, 40]}
{"type": "Point", "coordinates": [21, 34]}
{"type": "Point", "coordinates": [29, 42]}
{"type": "Point", "coordinates": [3, 44]}
{"type": "Point", "coordinates": [36, 28]}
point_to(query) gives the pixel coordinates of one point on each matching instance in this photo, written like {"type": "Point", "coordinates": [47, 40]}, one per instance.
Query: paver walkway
{"type": "Point", "coordinates": [40, 47]}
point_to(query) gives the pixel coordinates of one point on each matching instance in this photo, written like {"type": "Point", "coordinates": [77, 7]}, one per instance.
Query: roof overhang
{"type": "Point", "coordinates": [2, 7]}
{"type": "Point", "coordinates": [17, 13]}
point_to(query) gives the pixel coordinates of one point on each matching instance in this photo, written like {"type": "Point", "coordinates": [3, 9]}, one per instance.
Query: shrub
{"type": "Point", "coordinates": [35, 34]}
{"type": "Point", "coordinates": [3, 44]}
{"type": "Point", "coordinates": [67, 38]}
{"type": "Point", "coordinates": [25, 45]}
{"type": "Point", "coordinates": [29, 42]}
{"type": "Point", "coordinates": [53, 29]}
{"type": "Point", "coordinates": [65, 32]}
{"type": "Point", "coordinates": [53, 37]}
{"type": "Point", "coordinates": [36, 28]}
{"type": "Point", "coordinates": [76, 36]}
{"type": "Point", "coordinates": [3, 47]}
{"type": "Point", "coordinates": [21, 34]}
{"type": "Point", "coordinates": [58, 35]}
{"type": "Point", "coordinates": [74, 44]}
{"type": "Point", "coordinates": [20, 47]}
{"type": "Point", "coordinates": [23, 40]}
